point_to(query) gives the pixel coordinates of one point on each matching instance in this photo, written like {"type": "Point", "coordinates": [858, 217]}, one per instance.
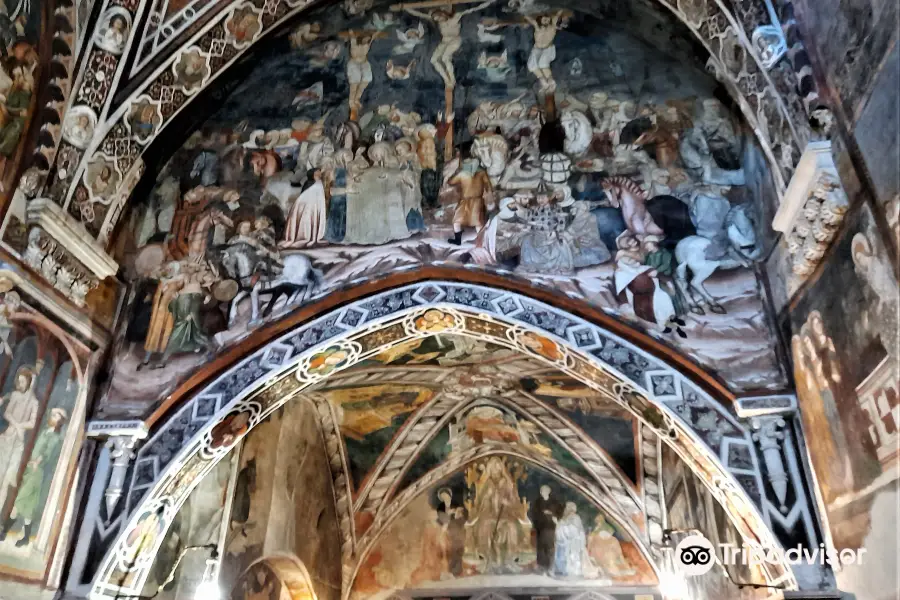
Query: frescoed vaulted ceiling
{"type": "Point", "coordinates": [432, 399]}
{"type": "Point", "coordinates": [470, 463]}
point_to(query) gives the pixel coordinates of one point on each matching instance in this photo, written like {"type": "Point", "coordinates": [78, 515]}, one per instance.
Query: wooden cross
{"type": "Point", "coordinates": [448, 87]}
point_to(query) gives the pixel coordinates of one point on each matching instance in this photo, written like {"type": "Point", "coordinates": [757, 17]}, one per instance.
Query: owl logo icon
{"type": "Point", "coordinates": [694, 555]}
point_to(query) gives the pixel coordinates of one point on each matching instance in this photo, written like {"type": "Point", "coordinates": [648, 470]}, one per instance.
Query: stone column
{"type": "Point", "coordinates": [121, 453]}
{"type": "Point", "coordinates": [768, 433]}
{"type": "Point", "coordinates": [103, 512]}
{"type": "Point", "coordinates": [121, 439]}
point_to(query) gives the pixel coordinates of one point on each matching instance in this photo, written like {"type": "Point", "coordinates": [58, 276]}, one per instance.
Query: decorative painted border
{"type": "Point", "coordinates": [698, 428]}
{"type": "Point", "coordinates": [162, 28]}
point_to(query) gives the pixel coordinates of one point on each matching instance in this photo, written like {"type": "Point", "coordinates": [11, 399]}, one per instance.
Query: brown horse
{"type": "Point", "coordinates": [666, 142]}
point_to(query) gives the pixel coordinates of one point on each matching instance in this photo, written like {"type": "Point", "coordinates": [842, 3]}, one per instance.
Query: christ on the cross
{"type": "Point", "coordinates": [448, 22]}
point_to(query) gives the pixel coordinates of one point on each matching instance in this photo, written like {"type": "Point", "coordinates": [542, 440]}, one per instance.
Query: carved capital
{"type": "Point", "coordinates": [63, 253]}
{"type": "Point", "coordinates": [768, 431]}
{"type": "Point", "coordinates": [45, 214]}
{"type": "Point", "coordinates": [812, 211]}
{"type": "Point", "coordinates": [121, 449]}
{"type": "Point", "coordinates": [54, 262]}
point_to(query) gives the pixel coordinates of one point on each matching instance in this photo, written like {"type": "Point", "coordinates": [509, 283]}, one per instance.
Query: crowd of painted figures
{"type": "Point", "coordinates": [488, 524]}
{"type": "Point", "coordinates": [545, 183]}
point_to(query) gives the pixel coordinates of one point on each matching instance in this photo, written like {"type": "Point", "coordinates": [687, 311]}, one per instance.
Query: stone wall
{"type": "Point", "coordinates": [844, 344]}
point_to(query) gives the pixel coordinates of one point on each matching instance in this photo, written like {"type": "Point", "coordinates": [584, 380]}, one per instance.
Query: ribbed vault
{"type": "Point", "coordinates": [385, 331]}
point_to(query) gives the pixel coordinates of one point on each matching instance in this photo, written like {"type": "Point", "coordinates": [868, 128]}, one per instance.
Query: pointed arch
{"type": "Point", "coordinates": [663, 398]}
{"type": "Point", "coordinates": [733, 58]}
{"type": "Point", "coordinates": [286, 571]}
{"type": "Point", "coordinates": [553, 423]}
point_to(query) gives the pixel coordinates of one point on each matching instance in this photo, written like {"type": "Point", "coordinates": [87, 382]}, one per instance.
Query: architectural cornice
{"type": "Point", "coordinates": [812, 212]}
{"type": "Point", "coordinates": [51, 218]}
{"type": "Point", "coordinates": [816, 158]}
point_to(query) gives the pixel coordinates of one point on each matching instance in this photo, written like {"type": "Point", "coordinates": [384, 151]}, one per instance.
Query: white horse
{"type": "Point", "coordinates": [691, 253]}
{"type": "Point", "coordinates": [297, 280]}
{"type": "Point", "coordinates": [579, 133]}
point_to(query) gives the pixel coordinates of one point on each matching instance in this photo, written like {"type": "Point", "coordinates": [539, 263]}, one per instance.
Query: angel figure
{"type": "Point", "coordinates": [382, 22]}
{"type": "Point", "coordinates": [409, 39]}
{"type": "Point", "coordinates": [305, 34]}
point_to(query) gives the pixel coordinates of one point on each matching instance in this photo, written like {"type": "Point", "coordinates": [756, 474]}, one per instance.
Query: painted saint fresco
{"type": "Point", "coordinates": [846, 362]}
{"type": "Point", "coordinates": [538, 143]}
{"type": "Point", "coordinates": [501, 523]}
{"type": "Point", "coordinates": [41, 392]}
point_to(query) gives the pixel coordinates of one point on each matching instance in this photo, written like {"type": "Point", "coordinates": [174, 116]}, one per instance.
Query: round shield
{"type": "Point", "coordinates": [225, 290]}
{"type": "Point", "coordinates": [149, 259]}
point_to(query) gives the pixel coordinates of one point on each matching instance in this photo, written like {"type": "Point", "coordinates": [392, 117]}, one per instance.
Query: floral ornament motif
{"type": "Point", "coordinates": [435, 321]}
{"type": "Point", "coordinates": [191, 70]}
{"type": "Point", "coordinates": [243, 26]}
{"type": "Point", "coordinates": [143, 119]}
{"type": "Point", "coordinates": [97, 79]}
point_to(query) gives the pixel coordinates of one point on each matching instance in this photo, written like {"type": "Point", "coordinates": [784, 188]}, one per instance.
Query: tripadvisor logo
{"type": "Point", "coordinates": [694, 555]}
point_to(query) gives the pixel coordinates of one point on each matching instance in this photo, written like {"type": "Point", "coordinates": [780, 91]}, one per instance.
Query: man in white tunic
{"type": "Point", "coordinates": [359, 71]}
{"type": "Point", "coordinates": [20, 412]}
